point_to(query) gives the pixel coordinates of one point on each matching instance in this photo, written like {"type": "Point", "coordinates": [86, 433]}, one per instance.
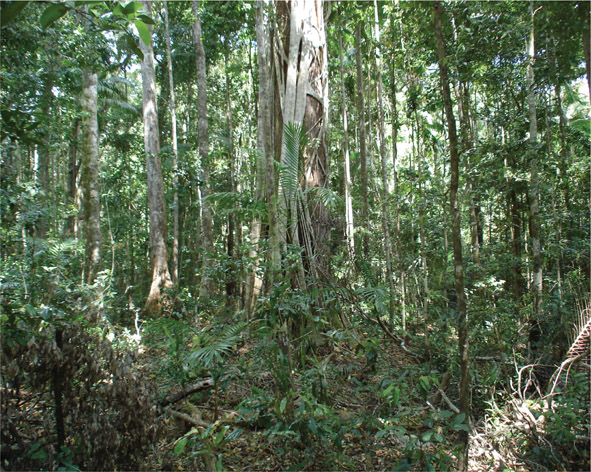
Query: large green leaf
{"type": "Point", "coordinates": [143, 31]}
{"type": "Point", "coordinates": [52, 13]}
{"type": "Point", "coordinates": [10, 12]}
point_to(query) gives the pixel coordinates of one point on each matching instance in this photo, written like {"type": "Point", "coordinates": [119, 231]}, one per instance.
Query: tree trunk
{"type": "Point", "coordinates": [350, 228]}
{"type": "Point", "coordinates": [362, 142]}
{"type": "Point", "coordinates": [203, 136]}
{"type": "Point", "coordinates": [302, 81]}
{"type": "Point", "coordinates": [534, 189]}
{"type": "Point", "coordinates": [383, 161]}
{"type": "Point", "coordinates": [73, 168]}
{"type": "Point", "coordinates": [160, 274]}
{"type": "Point", "coordinates": [175, 156]}
{"type": "Point", "coordinates": [231, 275]}
{"type": "Point", "coordinates": [89, 177]}
{"type": "Point", "coordinates": [463, 346]}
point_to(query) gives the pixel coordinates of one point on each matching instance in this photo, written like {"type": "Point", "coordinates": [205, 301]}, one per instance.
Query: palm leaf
{"type": "Point", "coordinates": [294, 139]}
{"type": "Point", "coordinates": [582, 331]}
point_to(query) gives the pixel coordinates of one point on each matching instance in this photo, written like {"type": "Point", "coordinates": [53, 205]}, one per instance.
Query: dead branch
{"type": "Point", "coordinates": [197, 387]}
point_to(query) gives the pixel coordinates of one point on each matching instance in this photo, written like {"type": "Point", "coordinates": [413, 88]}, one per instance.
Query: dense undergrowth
{"type": "Point", "coordinates": [82, 393]}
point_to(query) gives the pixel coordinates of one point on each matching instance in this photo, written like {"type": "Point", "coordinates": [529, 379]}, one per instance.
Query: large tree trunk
{"type": "Point", "coordinates": [302, 84]}
{"type": "Point", "coordinates": [463, 346]}
{"type": "Point", "coordinates": [160, 274]}
{"type": "Point", "coordinates": [203, 137]}
{"type": "Point", "coordinates": [175, 155]}
{"type": "Point", "coordinates": [90, 176]}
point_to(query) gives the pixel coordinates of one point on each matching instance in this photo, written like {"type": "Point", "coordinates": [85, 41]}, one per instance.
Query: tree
{"type": "Point", "coordinates": [175, 153]}
{"type": "Point", "coordinates": [463, 346]}
{"type": "Point", "coordinates": [159, 255]}
{"type": "Point", "coordinates": [203, 136]}
{"type": "Point", "coordinates": [89, 176]}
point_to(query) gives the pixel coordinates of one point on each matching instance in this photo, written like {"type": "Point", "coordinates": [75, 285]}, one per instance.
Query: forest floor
{"type": "Point", "coordinates": [348, 393]}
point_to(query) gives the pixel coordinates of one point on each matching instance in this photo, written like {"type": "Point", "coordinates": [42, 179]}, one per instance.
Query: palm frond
{"type": "Point", "coordinates": [582, 331]}
{"type": "Point", "coordinates": [215, 349]}
{"type": "Point", "coordinates": [294, 139]}
{"type": "Point", "coordinates": [329, 198]}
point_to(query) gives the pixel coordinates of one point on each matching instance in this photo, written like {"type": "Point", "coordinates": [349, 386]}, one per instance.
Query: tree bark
{"type": "Point", "coordinates": [207, 285]}
{"type": "Point", "coordinates": [90, 176]}
{"type": "Point", "coordinates": [463, 346]}
{"type": "Point", "coordinates": [160, 274]}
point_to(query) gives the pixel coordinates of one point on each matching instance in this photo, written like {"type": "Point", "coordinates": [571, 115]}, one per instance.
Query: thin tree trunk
{"type": "Point", "coordinates": [350, 228]}
{"type": "Point", "coordinates": [534, 185]}
{"type": "Point", "coordinates": [73, 168]}
{"type": "Point", "coordinates": [383, 160]}
{"type": "Point", "coordinates": [362, 142]}
{"type": "Point", "coordinates": [203, 135]}
{"type": "Point", "coordinates": [463, 346]}
{"type": "Point", "coordinates": [231, 276]}
{"type": "Point", "coordinates": [175, 157]}
{"type": "Point", "coordinates": [89, 177]}
{"type": "Point", "coordinates": [265, 176]}
{"type": "Point", "coordinates": [160, 274]}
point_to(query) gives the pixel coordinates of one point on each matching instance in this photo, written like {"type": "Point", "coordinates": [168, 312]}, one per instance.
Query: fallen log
{"type": "Point", "coordinates": [196, 387]}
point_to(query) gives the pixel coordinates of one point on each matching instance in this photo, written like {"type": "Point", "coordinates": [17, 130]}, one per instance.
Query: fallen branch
{"type": "Point", "coordinates": [197, 387]}
{"type": "Point", "coordinates": [187, 418]}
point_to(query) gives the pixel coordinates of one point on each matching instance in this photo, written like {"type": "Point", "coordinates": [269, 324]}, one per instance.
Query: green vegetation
{"type": "Point", "coordinates": [296, 235]}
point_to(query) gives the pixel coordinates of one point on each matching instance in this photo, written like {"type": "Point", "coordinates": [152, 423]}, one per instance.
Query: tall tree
{"type": "Point", "coordinates": [383, 159]}
{"type": "Point", "coordinates": [203, 138]}
{"type": "Point", "coordinates": [350, 227]}
{"type": "Point", "coordinates": [89, 175]}
{"type": "Point", "coordinates": [534, 185]}
{"type": "Point", "coordinates": [160, 274]}
{"type": "Point", "coordinates": [362, 140]}
{"type": "Point", "coordinates": [302, 83]}
{"type": "Point", "coordinates": [175, 154]}
{"type": "Point", "coordinates": [463, 346]}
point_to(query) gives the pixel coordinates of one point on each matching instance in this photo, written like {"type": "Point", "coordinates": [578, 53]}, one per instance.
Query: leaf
{"type": "Point", "coordinates": [180, 446]}
{"type": "Point", "coordinates": [282, 405]}
{"type": "Point", "coordinates": [52, 13]}
{"type": "Point", "coordinates": [146, 19]}
{"type": "Point", "coordinates": [143, 31]}
{"type": "Point", "coordinates": [132, 45]}
{"type": "Point", "coordinates": [132, 8]}
{"type": "Point", "coordinates": [10, 12]}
